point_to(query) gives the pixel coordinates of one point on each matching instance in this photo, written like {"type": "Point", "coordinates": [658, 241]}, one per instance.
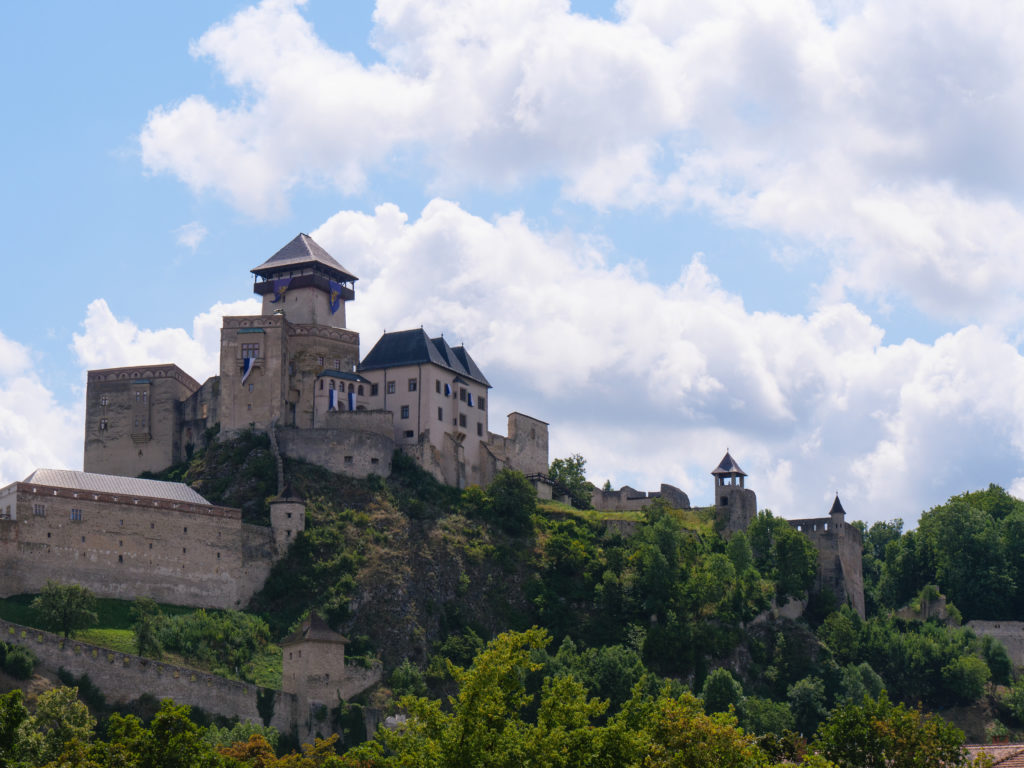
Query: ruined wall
{"type": "Point", "coordinates": [357, 443]}
{"type": "Point", "coordinates": [629, 499]}
{"type": "Point", "coordinates": [199, 412]}
{"type": "Point", "coordinates": [840, 553]}
{"type": "Point", "coordinates": [1009, 633]}
{"type": "Point", "coordinates": [126, 547]}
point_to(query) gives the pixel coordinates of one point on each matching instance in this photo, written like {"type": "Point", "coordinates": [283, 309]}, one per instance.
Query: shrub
{"type": "Point", "coordinates": [19, 662]}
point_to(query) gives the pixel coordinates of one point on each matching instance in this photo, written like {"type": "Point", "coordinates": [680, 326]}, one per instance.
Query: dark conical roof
{"type": "Point", "coordinates": [316, 629]}
{"type": "Point", "coordinates": [837, 508]}
{"type": "Point", "coordinates": [728, 466]}
{"type": "Point", "coordinates": [300, 252]}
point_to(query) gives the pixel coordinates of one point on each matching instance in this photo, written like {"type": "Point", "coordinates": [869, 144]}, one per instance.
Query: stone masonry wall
{"type": "Point", "coordinates": [123, 677]}
{"type": "Point", "coordinates": [358, 443]}
{"type": "Point", "coordinates": [839, 547]}
{"type": "Point", "coordinates": [629, 499]}
{"type": "Point", "coordinates": [1009, 633]}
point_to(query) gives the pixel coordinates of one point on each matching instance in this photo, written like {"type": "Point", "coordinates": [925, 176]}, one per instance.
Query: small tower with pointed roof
{"type": "Point", "coordinates": [735, 505]}
{"type": "Point", "coordinates": [306, 283]}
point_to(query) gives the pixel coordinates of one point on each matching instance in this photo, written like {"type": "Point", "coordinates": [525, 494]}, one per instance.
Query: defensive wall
{"type": "Point", "coordinates": [1009, 633]}
{"type": "Point", "coordinates": [354, 443]}
{"type": "Point", "coordinates": [128, 546]}
{"type": "Point", "coordinates": [628, 499]}
{"type": "Point", "coordinates": [123, 677]}
{"type": "Point", "coordinates": [840, 556]}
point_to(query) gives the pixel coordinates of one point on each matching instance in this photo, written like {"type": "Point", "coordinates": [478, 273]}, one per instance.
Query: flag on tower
{"type": "Point", "coordinates": [280, 286]}
{"type": "Point", "coordinates": [335, 296]}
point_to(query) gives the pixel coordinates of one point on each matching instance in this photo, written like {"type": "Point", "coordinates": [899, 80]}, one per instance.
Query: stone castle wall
{"type": "Point", "coordinates": [126, 547]}
{"type": "Point", "coordinates": [840, 557]}
{"type": "Point", "coordinates": [123, 677]}
{"type": "Point", "coordinates": [356, 443]}
{"type": "Point", "coordinates": [628, 499]}
{"type": "Point", "coordinates": [1009, 633]}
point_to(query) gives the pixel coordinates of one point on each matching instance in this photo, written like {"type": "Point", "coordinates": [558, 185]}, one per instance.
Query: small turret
{"type": "Point", "coordinates": [837, 515]}
{"type": "Point", "coordinates": [735, 505]}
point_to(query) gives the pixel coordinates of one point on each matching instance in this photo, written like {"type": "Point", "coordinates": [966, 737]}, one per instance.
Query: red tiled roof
{"type": "Point", "coordinates": [1002, 755]}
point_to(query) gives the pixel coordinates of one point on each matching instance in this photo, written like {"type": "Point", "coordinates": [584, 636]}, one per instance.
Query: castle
{"type": "Point", "coordinates": [295, 370]}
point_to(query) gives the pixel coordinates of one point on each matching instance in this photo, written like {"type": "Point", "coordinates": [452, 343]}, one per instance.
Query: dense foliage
{"type": "Point", "coordinates": [65, 608]}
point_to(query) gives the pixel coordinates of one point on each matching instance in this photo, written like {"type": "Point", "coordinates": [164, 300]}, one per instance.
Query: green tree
{"type": "Point", "coordinates": [874, 733]}
{"type": "Point", "coordinates": [513, 501]}
{"type": "Point", "coordinates": [145, 615]}
{"type": "Point", "coordinates": [65, 607]}
{"type": "Point", "coordinates": [569, 478]}
{"type": "Point", "coordinates": [783, 554]}
{"type": "Point", "coordinates": [763, 716]}
{"type": "Point", "coordinates": [59, 718]}
{"type": "Point", "coordinates": [12, 714]}
{"type": "Point", "coordinates": [721, 691]}
{"type": "Point", "coordinates": [807, 702]}
{"type": "Point", "coordinates": [965, 678]}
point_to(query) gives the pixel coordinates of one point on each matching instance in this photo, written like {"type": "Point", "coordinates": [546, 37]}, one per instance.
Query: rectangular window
{"type": "Point", "coordinates": [375, 460]}
{"type": "Point", "coordinates": [104, 401]}
{"type": "Point", "coordinates": [390, 388]}
{"type": "Point", "coordinates": [405, 411]}
{"type": "Point", "coordinates": [479, 429]}
{"type": "Point", "coordinates": [76, 515]}
{"type": "Point", "coordinates": [320, 360]}
{"type": "Point", "coordinates": [412, 385]}
{"type": "Point", "coordinates": [437, 386]}
{"type": "Point", "coordinates": [103, 425]}
{"type": "Point", "coordinates": [440, 414]}
{"type": "Point", "coordinates": [251, 349]}
{"type": "Point", "coordinates": [348, 459]}
{"type": "Point", "coordinates": [462, 394]}
{"type": "Point", "coordinates": [120, 558]}
{"type": "Point", "coordinates": [481, 404]}
{"type": "Point", "coordinates": [373, 390]}
{"type": "Point", "coordinates": [409, 433]}
{"type": "Point", "coordinates": [250, 386]}
{"type": "Point", "coordinates": [39, 510]}
{"type": "Point", "coordinates": [337, 363]}
{"type": "Point", "coordinates": [462, 420]}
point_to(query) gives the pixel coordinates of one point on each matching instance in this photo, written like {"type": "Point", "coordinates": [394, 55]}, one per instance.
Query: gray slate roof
{"type": "Point", "coordinates": [412, 347]}
{"type": "Point", "coordinates": [728, 466]}
{"type": "Point", "coordinates": [122, 486]}
{"type": "Point", "coordinates": [316, 629]}
{"type": "Point", "coordinates": [837, 507]}
{"type": "Point", "coordinates": [303, 251]}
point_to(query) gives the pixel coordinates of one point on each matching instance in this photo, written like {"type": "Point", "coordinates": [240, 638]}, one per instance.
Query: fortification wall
{"type": "Point", "coordinates": [1009, 633]}
{"type": "Point", "coordinates": [126, 547]}
{"type": "Point", "coordinates": [629, 499]}
{"type": "Point", "coordinates": [840, 547]}
{"type": "Point", "coordinates": [123, 677]}
{"type": "Point", "coordinates": [356, 443]}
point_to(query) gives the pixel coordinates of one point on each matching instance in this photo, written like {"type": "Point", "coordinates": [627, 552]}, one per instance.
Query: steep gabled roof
{"type": "Point", "coordinates": [728, 466]}
{"type": "Point", "coordinates": [413, 347]}
{"type": "Point", "coordinates": [126, 486]}
{"type": "Point", "coordinates": [303, 251]}
{"type": "Point", "coordinates": [314, 629]}
{"type": "Point", "coordinates": [837, 508]}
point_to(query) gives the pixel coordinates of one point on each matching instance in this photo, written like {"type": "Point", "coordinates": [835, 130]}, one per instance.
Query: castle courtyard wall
{"type": "Point", "coordinates": [357, 443]}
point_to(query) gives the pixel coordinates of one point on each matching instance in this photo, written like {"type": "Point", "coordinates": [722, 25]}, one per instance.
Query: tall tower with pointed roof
{"type": "Point", "coordinates": [272, 365]}
{"type": "Point", "coordinates": [735, 504]}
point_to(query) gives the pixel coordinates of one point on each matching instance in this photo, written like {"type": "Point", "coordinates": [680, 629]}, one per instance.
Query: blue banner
{"type": "Point", "coordinates": [332, 400]}
{"type": "Point", "coordinates": [470, 401]}
{"type": "Point", "coordinates": [351, 401]}
{"type": "Point", "coordinates": [335, 296]}
{"type": "Point", "coordinates": [280, 286]}
{"type": "Point", "coordinates": [447, 390]}
{"type": "Point", "coordinates": [247, 364]}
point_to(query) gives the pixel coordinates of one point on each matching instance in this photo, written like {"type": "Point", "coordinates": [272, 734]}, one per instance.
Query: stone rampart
{"type": "Point", "coordinates": [355, 443]}
{"type": "Point", "coordinates": [123, 677]}
{"type": "Point", "coordinates": [839, 547]}
{"type": "Point", "coordinates": [1009, 633]}
{"type": "Point", "coordinates": [628, 499]}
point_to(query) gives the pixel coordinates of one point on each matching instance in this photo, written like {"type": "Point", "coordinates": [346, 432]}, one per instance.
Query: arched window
{"type": "Point", "coordinates": [332, 383]}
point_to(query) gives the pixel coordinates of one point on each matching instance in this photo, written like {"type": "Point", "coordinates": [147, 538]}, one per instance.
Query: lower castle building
{"type": "Point", "coordinates": [294, 369]}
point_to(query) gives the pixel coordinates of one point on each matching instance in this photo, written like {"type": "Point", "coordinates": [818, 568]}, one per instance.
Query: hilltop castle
{"type": "Point", "coordinates": [294, 370]}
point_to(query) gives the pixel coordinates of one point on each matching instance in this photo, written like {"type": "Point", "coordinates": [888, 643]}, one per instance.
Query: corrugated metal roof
{"type": "Point", "coordinates": [124, 486]}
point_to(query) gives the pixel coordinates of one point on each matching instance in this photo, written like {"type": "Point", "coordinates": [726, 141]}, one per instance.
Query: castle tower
{"type": "Point", "coordinates": [837, 515]}
{"type": "Point", "coordinates": [305, 281]}
{"type": "Point", "coordinates": [735, 505]}
{"type": "Point", "coordinates": [271, 364]}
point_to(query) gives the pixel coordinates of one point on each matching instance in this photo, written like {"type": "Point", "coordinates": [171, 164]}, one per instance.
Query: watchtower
{"type": "Point", "coordinates": [305, 281]}
{"type": "Point", "coordinates": [735, 505]}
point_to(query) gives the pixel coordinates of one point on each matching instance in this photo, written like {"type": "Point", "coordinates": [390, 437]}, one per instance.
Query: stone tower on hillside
{"type": "Point", "coordinates": [840, 555]}
{"type": "Point", "coordinates": [735, 505]}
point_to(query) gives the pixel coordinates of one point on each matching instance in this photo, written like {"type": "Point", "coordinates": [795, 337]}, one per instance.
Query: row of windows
{"type": "Point", "coordinates": [140, 397]}
{"type": "Point", "coordinates": [351, 387]}
{"type": "Point", "coordinates": [140, 422]}
{"type": "Point", "coordinates": [251, 349]}
{"type": "Point", "coordinates": [335, 363]}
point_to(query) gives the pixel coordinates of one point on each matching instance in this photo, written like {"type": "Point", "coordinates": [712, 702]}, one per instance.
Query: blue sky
{"type": "Point", "coordinates": [783, 228]}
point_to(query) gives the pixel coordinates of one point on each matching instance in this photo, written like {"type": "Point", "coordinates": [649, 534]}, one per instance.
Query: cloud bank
{"type": "Point", "coordinates": [882, 134]}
